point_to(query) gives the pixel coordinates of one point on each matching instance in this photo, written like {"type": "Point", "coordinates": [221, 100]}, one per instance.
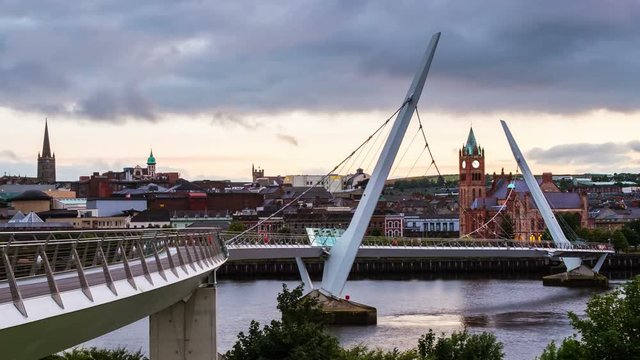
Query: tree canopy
{"type": "Point", "coordinates": [301, 334]}
{"type": "Point", "coordinates": [609, 331]}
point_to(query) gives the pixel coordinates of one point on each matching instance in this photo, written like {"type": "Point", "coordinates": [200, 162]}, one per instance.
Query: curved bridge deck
{"type": "Point", "coordinates": [59, 289]}
{"type": "Point", "coordinates": [282, 246]}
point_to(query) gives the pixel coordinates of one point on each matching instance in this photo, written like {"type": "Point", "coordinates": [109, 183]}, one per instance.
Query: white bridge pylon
{"type": "Point", "coordinates": [343, 253]}
{"type": "Point", "coordinates": [550, 220]}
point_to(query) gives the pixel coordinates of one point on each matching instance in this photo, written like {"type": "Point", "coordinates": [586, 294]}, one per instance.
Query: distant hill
{"type": "Point", "coordinates": [434, 178]}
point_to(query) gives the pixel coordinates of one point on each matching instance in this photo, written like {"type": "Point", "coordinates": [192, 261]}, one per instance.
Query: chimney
{"type": "Point", "coordinates": [547, 178]}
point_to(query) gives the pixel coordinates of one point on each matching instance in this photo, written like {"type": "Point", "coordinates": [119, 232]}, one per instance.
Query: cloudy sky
{"type": "Point", "coordinates": [294, 86]}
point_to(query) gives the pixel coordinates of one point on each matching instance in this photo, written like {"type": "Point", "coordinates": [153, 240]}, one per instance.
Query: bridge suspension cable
{"type": "Point", "coordinates": [426, 144]}
{"type": "Point", "coordinates": [485, 225]}
{"type": "Point", "coordinates": [341, 164]}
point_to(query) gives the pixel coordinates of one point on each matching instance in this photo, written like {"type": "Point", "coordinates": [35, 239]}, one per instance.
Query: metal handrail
{"type": "Point", "coordinates": [271, 239]}
{"type": "Point", "coordinates": [25, 255]}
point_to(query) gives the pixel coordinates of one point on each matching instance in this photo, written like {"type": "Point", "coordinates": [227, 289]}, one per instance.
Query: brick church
{"type": "Point", "coordinates": [46, 160]}
{"type": "Point", "coordinates": [506, 199]}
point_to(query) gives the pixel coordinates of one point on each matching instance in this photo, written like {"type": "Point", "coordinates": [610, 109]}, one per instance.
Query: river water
{"type": "Point", "coordinates": [524, 315]}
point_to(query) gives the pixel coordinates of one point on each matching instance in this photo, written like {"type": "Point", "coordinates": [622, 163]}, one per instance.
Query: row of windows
{"type": "Point", "coordinates": [395, 223]}
{"type": "Point", "coordinates": [390, 233]}
{"type": "Point", "coordinates": [464, 192]}
{"type": "Point", "coordinates": [474, 177]}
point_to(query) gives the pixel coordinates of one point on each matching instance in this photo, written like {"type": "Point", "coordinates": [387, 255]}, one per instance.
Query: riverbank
{"type": "Point", "coordinates": [362, 267]}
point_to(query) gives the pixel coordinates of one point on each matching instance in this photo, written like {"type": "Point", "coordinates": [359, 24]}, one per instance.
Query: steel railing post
{"type": "Point", "coordinates": [51, 280]}
{"type": "Point", "coordinates": [16, 296]}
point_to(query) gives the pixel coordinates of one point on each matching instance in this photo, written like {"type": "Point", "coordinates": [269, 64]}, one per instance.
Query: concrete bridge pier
{"type": "Point", "coordinates": [187, 329]}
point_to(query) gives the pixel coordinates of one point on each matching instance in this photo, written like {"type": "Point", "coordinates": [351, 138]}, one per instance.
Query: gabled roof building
{"type": "Point", "coordinates": [506, 208]}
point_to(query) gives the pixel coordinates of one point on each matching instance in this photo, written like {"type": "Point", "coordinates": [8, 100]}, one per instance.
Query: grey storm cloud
{"type": "Point", "coordinates": [9, 155]}
{"type": "Point", "coordinates": [106, 105]}
{"type": "Point", "coordinates": [609, 153]}
{"type": "Point", "coordinates": [225, 119]}
{"type": "Point", "coordinates": [108, 60]}
{"type": "Point", "coordinates": [288, 139]}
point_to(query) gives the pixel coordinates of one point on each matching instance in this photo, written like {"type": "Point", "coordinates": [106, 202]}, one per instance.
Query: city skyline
{"type": "Point", "coordinates": [294, 88]}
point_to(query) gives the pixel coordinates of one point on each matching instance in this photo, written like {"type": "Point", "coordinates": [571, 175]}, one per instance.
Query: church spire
{"type": "Point", "coordinates": [151, 160]}
{"type": "Point", "coordinates": [46, 147]}
{"type": "Point", "coordinates": [471, 143]}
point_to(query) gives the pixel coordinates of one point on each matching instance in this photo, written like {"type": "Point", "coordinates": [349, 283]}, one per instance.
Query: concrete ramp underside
{"type": "Point", "coordinates": [49, 328]}
{"type": "Point", "coordinates": [40, 338]}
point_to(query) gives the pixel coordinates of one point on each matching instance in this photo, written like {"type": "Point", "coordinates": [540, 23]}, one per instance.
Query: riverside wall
{"type": "Point", "coordinates": [382, 266]}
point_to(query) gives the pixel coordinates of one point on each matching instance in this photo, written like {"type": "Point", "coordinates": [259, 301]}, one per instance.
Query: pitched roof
{"type": "Point", "coordinates": [31, 195]}
{"type": "Point", "coordinates": [17, 217]}
{"type": "Point", "coordinates": [502, 187]}
{"type": "Point", "coordinates": [563, 200]}
{"type": "Point", "coordinates": [185, 185]}
{"type": "Point", "coordinates": [20, 218]}
{"type": "Point", "coordinates": [557, 200]}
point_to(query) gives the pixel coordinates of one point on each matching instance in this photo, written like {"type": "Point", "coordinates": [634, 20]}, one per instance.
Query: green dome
{"type": "Point", "coordinates": [151, 160]}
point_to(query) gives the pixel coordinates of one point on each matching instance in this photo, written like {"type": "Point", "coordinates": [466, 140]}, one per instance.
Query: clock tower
{"type": "Point", "coordinates": [471, 184]}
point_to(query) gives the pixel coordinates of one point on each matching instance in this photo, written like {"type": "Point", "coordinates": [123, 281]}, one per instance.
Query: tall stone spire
{"type": "Point", "coordinates": [46, 147]}
{"type": "Point", "coordinates": [46, 161]}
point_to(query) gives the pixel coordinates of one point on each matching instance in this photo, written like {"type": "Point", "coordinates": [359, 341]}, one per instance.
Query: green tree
{"type": "Point", "coordinates": [506, 227]}
{"type": "Point", "coordinates": [376, 232]}
{"type": "Point", "coordinates": [609, 331]}
{"type": "Point", "coordinates": [361, 352]}
{"type": "Point", "coordinates": [619, 241]}
{"type": "Point", "coordinates": [98, 354]}
{"type": "Point", "coordinates": [460, 346]}
{"type": "Point", "coordinates": [632, 232]}
{"type": "Point", "coordinates": [571, 219]}
{"type": "Point", "coordinates": [236, 226]}
{"type": "Point", "coordinates": [300, 334]}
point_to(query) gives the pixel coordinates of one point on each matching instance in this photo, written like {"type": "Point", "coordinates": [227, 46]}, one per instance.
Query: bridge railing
{"type": "Point", "coordinates": [47, 254]}
{"type": "Point", "coordinates": [264, 239]}
{"type": "Point", "coordinates": [253, 239]}
{"type": "Point", "coordinates": [476, 243]}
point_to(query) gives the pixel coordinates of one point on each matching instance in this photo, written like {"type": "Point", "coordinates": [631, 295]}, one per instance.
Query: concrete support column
{"type": "Point", "coordinates": [186, 330]}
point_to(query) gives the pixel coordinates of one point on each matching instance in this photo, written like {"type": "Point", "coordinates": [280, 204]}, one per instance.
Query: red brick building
{"type": "Point", "coordinates": [484, 212]}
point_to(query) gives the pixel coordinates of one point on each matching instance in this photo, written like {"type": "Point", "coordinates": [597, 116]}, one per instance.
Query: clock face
{"type": "Point", "coordinates": [464, 164]}
{"type": "Point", "coordinates": [475, 164]}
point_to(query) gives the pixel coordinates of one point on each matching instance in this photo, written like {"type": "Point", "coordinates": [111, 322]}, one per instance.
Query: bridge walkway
{"type": "Point", "coordinates": [69, 280]}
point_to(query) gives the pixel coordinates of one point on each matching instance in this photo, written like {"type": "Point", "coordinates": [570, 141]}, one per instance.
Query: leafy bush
{"type": "Point", "coordinates": [609, 331]}
{"type": "Point", "coordinates": [98, 354]}
{"type": "Point", "coordinates": [301, 335]}
{"type": "Point", "coordinates": [460, 346]}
